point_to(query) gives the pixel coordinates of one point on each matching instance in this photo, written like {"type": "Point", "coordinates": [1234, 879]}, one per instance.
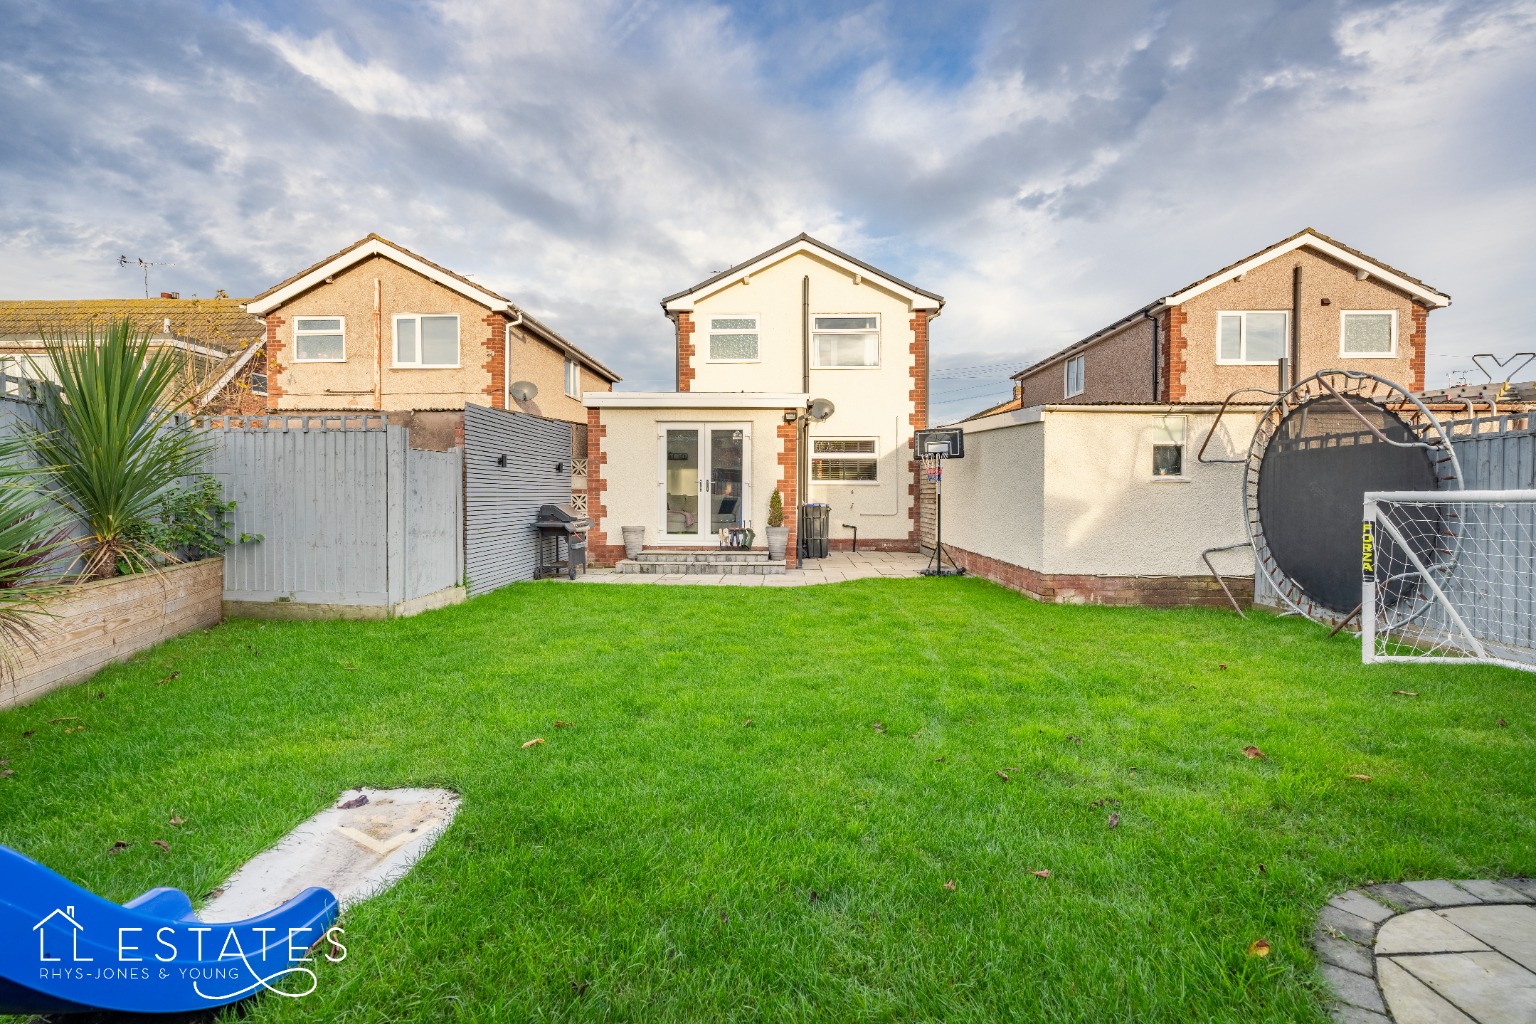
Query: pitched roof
{"type": "Point", "coordinates": [1016, 402]}
{"type": "Point", "coordinates": [221, 324]}
{"type": "Point", "coordinates": [804, 241]}
{"type": "Point", "coordinates": [1306, 237]}
{"type": "Point", "coordinates": [377, 245]}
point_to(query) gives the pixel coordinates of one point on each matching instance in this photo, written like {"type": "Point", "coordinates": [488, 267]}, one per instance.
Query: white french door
{"type": "Point", "coordinates": [704, 479]}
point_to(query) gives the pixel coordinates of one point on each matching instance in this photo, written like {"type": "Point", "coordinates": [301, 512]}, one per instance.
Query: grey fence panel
{"type": "Point", "coordinates": [1498, 462]}
{"type": "Point", "coordinates": [501, 502]}
{"type": "Point", "coordinates": [434, 492]}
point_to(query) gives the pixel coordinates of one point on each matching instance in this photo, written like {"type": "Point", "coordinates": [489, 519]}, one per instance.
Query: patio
{"type": "Point", "coordinates": [837, 567]}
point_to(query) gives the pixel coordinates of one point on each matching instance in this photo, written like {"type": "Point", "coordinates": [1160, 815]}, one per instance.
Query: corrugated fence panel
{"type": "Point", "coordinates": [501, 502]}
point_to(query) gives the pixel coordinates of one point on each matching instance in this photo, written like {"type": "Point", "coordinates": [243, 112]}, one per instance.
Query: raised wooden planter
{"type": "Point", "coordinates": [94, 624]}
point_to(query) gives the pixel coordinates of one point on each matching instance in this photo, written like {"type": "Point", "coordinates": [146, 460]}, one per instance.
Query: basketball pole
{"type": "Point", "coordinates": [936, 563]}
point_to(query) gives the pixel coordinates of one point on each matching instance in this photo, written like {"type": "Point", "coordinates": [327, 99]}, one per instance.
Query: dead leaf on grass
{"type": "Point", "coordinates": [879, 727]}
{"type": "Point", "coordinates": [6, 773]}
{"type": "Point", "coordinates": [119, 847]}
{"type": "Point", "coordinates": [579, 987]}
{"type": "Point", "coordinates": [29, 734]}
{"type": "Point", "coordinates": [1263, 870]}
{"type": "Point", "coordinates": [747, 724]}
{"type": "Point", "coordinates": [1003, 776]}
{"type": "Point", "coordinates": [1362, 778]}
{"type": "Point", "coordinates": [1042, 873]}
{"type": "Point", "coordinates": [1221, 665]}
{"type": "Point", "coordinates": [1405, 693]}
{"type": "Point", "coordinates": [163, 845]}
{"type": "Point", "coordinates": [533, 742]}
{"type": "Point", "coordinates": [1077, 741]}
{"type": "Point", "coordinates": [1503, 724]}
{"type": "Point", "coordinates": [357, 801]}
{"type": "Point", "coordinates": [178, 821]}
{"type": "Point", "coordinates": [165, 679]}
{"type": "Point", "coordinates": [1259, 947]}
{"type": "Point", "coordinates": [938, 759]}
{"type": "Point", "coordinates": [950, 885]}
{"type": "Point", "coordinates": [561, 725]}
{"type": "Point", "coordinates": [1252, 752]}
{"type": "Point", "coordinates": [1114, 819]}
{"type": "Point", "coordinates": [815, 895]}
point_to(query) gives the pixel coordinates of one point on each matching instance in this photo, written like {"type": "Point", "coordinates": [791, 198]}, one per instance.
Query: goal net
{"type": "Point", "coordinates": [1449, 575]}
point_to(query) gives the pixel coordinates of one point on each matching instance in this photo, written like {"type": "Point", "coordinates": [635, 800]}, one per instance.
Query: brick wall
{"type": "Point", "coordinates": [599, 551]}
{"type": "Point", "coordinates": [495, 364]}
{"type": "Point", "coordinates": [277, 350]}
{"type": "Point", "coordinates": [1175, 346]}
{"type": "Point", "coordinates": [1140, 591]}
{"type": "Point", "coordinates": [789, 449]}
{"type": "Point", "coordinates": [1417, 342]}
{"type": "Point", "coordinates": [97, 623]}
{"type": "Point", "coordinates": [685, 351]}
{"type": "Point", "coordinates": [918, 419]}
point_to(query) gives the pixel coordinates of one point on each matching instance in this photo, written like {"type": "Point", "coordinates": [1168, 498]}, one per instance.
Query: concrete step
{"type": "Point", "coordinates": [698, 567]}
{"type": "Point", "coordinates": [716, 555]}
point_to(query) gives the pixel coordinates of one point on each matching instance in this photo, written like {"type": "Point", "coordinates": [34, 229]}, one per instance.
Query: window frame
{"type": "Point", "coordinates": [710, 332]}
{"type": "Point", "coordinates": [1242, 341]}
{"type": "Point", "coordinates": [879, 340]}
{"type": "Point", "coordinates": [1345, 314]}
{"type": "Point", "coordinates": [394, 342]}
{"type": "Point", "coordinates": [872, 457]}
{"type": "Point", "coordinates": [300, 332]}
{"type": "Point", "coordinates": [1081, 362]}
{"type": "Point", "coordinates": [1183, 446]}
{"type": "Point", "coordinates": [572, 375]}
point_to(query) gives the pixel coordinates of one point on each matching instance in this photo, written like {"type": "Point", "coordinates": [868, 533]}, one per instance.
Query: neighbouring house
{"type": "Point", "coordinates": [222, 342]}
{"type": "Point", "coordinates": [756, 344]}
{"type": "Point", "coordinates": [376, 326]}
{"type": "Point", "coordinates": [1310, 300]}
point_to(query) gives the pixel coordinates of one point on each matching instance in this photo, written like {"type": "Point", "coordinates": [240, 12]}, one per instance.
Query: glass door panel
{"type": "Point", "coordinates": [726, 494]}
{"type": "Point", "coordinates": [683, 483]}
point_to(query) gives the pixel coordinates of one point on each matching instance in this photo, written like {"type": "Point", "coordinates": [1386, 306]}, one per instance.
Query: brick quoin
{"type": "Point", "coordinates": [275, 348]}
{"type": "Point", "coordinates": [599, 551]}
{"type": "Point", "coordinates": [685, 351]}
{"type": "Point", "coordinates": [789, 449]}
{"type": "Point", "coordinates": [1417, 342]}
{"type": "Point", "coordinates": [495, 360]}
{"type": "Point", "coordinates": [1125, 591]}
{"type": "Point", "coordinates": [1175, 345]}
{"type": "Point", "coordinates": [918, 419]}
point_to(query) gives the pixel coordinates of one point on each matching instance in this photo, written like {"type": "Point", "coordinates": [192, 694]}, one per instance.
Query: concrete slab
{"type": "Point", "coordinates": [1413, 1002]}
{"type": "Point", "coordinates": [1424, 931]}
{"type": "Point", "coordinates": [354, 852]}
{"type": "Point", "coordinates": [1509, 929]}
{"type": "Point", "coordinates": [1357, 903]}
{"type": "Point", "coordinates": [1492, 892]}
{"type": "Point", "coordinates": [1487, 987]}
{"type": "Point", "coordinates": [1442, 893]}
{"type": "Point", "coordinates": [1353, 989]}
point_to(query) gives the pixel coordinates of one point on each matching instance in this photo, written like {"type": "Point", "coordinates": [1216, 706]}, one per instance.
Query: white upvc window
{"type": "Point", "coordinates": [426, 341]}
{"type": "Point", "coordinates": [1253, 337]}
{"type": "Point", "coordinates": [845, 460]}
{"type": "Point", "coordinates": [572, 378]}
{"type": "Point", "coordinates": [1368, 333]}
{"type": "Point", "coordinates": [845, 341]}
{"type": "Point", "coordinates": [1076, 379]}
{"type": "Point", "coordinates": [732, 338]}
{"type": "Point", "coordinates": [320, 339]}
{"type": "Point", "coordinates": [1168, 436]}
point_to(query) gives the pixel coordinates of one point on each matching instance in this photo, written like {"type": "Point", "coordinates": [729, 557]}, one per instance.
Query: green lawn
{"type": "Point", "coordinates": [725, 833]}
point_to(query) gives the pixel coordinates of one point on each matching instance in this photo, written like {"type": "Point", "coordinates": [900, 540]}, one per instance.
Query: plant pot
{"type": "Point", "coordinates": [634, 541]}
{"type": "Point", "coordinates": [778, 540]}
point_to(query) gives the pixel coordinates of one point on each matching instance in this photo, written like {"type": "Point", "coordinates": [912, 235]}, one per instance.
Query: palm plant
{"type": "Point", "coordinates": [31, 531]}
{"type": "Point", "coordinates": [112, 442]}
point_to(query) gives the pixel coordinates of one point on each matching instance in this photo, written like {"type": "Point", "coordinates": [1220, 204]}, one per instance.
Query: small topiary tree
{"type": "Point", "coordinates": [775, 509]}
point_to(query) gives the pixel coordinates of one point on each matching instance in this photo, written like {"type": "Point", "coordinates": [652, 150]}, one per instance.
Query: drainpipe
{"type": "Point", "coordinates": [1157, 394]}
{"type": "Point", "coordinates": [506, 360]}
{"type": "Point", "coordinates": [802, 484]}
{"type": "Point", "coordinates": [378, 346]}
{"type": "Point", "coordinates": [1295, 324]}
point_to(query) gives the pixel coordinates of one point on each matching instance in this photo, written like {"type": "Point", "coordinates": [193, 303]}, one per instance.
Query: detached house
{"type": "Point", "coordinates": [1309, 300]}
{"type": "Point", "coordinates": [376, 326]}
{"type": "Point", "coordinates": [757, 344]}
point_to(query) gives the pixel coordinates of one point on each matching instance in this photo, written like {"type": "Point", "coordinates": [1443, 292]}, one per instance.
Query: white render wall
{"type": "Point", "coordinates": [1069, 490]}
{"type": "Point", "coordinates": [874, 402]}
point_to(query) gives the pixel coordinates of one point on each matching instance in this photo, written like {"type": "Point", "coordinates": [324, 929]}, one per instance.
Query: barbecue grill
{"type": "Point", "coordinates": [556, 523]}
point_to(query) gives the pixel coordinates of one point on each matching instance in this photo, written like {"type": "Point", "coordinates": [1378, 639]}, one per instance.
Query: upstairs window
{"type": "Point", "coordinates": [1076, 381]}
{"type": "Point", "coordinates": [572, 378]}
{"type": "Point", "coordinates": [845, 460]}
{"type": "Point", "coordinates": [423, 341]}
{"type": "Point", "coordinates": [1368, 334]}
{"type": "Point", "coordinates": [1168, 446]}
{"type": "Point", "coordinates": [845, 342]}
{"type": "Point", "coordinates": [320, 339]}
{"type": "Point", "coordinates": [733, 339]}
{"type": "Point", "coordinates": [1257, 337]}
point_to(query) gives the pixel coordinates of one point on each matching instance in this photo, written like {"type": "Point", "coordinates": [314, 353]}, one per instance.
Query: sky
{"type": "Point", "coordinates": [1046, 165]}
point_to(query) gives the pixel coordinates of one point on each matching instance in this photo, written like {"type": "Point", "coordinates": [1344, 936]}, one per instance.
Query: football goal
{"type": "Point", "coordinates": [1449, 575]}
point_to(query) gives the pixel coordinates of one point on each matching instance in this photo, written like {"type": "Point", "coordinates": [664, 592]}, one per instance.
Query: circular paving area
{"type": "Point", "coordinates": [1438, 952]}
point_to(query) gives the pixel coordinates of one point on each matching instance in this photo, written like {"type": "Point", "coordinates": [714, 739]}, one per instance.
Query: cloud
{"type": "Point", "coordinates": [1046, 171]}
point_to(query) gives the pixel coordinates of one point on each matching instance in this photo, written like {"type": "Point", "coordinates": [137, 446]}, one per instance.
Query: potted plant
{"type": "Point", "coordinates": [634, 540]}
{"type": "Point", "coordinates": [778, 533]}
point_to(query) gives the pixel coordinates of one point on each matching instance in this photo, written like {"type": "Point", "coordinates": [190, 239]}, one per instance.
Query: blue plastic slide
{"type": "Point", "coordinates": [65, 950]}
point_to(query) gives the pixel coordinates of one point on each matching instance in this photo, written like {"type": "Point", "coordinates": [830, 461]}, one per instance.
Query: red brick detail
{"type": "Point", "coordinates": [917, 419]}
{"type": "Point", "coordinates": [276, 349]}
{"type": "Point", "coordinates": [599, 551]}
{"type": "Point", "coordinates": [495, 365]}
{"type": "Point", "coordinates": [685, 351]}
{"type": "Point", "coordinates": [872, 543]}
{"type": "Point", "coordinates": [1142, 591]}
{"type": "Point", "coordinates": [789, 479]}
{"type": "Point", "coordinates": [1418, 342]}
{"type": "Point", "coordinates": [1175, 346]}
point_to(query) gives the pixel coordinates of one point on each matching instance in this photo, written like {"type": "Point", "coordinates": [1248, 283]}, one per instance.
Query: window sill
{"type": "Point", "coordinates": [731, 362]}
{"type": "Point", "coordinates": [1367, 355]}
{"type": "Point", "coordinates": [1171, 479]}
{"type": "Point", "coordinates": [875, 367]}
{"type": "Point", "coordinates": [341, 360]}
{"type": "Point", "coordinates": [1247, 362]}
{"type": "Point", "coordinates": [417, 366]}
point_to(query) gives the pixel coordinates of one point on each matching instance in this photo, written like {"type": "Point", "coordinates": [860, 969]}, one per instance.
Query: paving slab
{"type": "Point", "coordinates": [1443, 893]}
{"type": "Point", "coordinates": [1424, 931]}
{"type": "Point", "coordinates": [1488, 987]}
{"type": "Point", "coordinates": [1400, 896]}
{"type": "Point", "coordinates": [1509, 929]}
{"type": "Point", "coordinates": [1357, 928]}
{"type": "Point", "coordinates": [1351, 956]}
{"type": "Point", "coordinates": [1492, 892]}
{"type": "Point", "coordinates": [1354, 989]}
{"type": "Point", "coordinates": [1357, 903]}
{"type": "Point", "coordinates": [1344, 1014]}
{"type": "Point", "coordinates": [1523, 885]}
{"type": "Point", "coordinates": [1414, 1002]}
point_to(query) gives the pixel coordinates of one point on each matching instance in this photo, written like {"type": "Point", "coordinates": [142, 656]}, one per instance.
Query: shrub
{"type": "Point", "coordinates": [31, 533]}
{"type": "Point", "coordinates": [775, 509]}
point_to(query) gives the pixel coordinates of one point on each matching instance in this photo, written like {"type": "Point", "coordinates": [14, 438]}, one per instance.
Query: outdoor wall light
{"type": "Point", "coordinates": [559, 467]}
{"type": "Point", "coordinates": [790, 415]}
{"type": "Point", "coordinates": [501, 460]}
{"type": "Point", "coordinates": [524, 391]}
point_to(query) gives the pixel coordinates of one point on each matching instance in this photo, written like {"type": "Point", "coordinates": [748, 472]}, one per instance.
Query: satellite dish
{"type": "Point", "coordinates": [820, 409]}
{"type": "Point", "coordinates": [524, 391]}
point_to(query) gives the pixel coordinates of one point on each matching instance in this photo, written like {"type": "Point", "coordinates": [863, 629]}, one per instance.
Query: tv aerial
{"type": "Point", "coordinates": [124, 261]}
